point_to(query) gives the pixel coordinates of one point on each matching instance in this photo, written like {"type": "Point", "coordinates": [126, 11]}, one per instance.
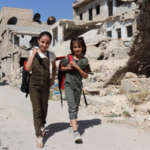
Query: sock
{"type": "Point", "coordinates": [76, 131]}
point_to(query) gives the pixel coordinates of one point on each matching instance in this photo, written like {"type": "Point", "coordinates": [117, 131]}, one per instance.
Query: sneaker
{"type": "Point", "coordinates": [77, 136]}
{"type": "Point", "coordinates": [70, 130]}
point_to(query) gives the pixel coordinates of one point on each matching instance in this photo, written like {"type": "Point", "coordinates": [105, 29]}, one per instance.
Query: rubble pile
{"type": "Point", "coordinates": [99, 47]}
{"type": "Point", "coordinates": [14, 79]}
{"type": "Point", "coordinates": [138, 49]}
{"type": "Point", "coordinates": [94, 84]}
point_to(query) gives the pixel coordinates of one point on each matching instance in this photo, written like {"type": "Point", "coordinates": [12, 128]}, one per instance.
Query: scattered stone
{"type": "Point", "coordinates": [142, 76]}
{"type": "Point", "coordinates": [128, 86]}
{"type": "Point", "coordinates": [130, 75]}
{"type": "Point", "coordinates": [102, 92]}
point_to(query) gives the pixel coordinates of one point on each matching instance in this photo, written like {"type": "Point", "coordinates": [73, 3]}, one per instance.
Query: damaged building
{"type": "Point", "coordinates": [18, 34]}
{"type": "Point", "coordinates": [19, 31]}
{"type": "Point", "coordinates": [116, 16]}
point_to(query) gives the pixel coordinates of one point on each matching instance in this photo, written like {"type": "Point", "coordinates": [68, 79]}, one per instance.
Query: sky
{"type": "Point", "coordinates": [60, 9]}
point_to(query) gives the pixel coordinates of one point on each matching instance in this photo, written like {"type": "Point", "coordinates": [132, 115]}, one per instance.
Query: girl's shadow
{"type": "Point", "coordinates": [57, 127]}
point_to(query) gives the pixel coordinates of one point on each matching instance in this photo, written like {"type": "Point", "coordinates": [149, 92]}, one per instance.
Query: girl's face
{"type": "Point", "coordinates": [44, 43]}
{"type": "Point", "coordinates": [77, 49]}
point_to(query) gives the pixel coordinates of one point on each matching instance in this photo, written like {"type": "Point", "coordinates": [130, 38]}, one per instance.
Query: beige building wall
{"type": "Point", "coordinates": [104, 10]}
{"type": "Point", "coordinates": [24, 16]}
{"type": "Point", "coordinates": [84, 10]}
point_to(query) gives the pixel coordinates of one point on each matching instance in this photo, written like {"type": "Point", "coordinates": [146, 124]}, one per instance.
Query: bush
{"type": "Point", "coordinates": [126, 114]}
{"type": "Point", "coordinates": [140, 97]}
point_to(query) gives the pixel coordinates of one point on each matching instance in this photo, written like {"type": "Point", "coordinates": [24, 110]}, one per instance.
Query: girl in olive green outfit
{"type": "Point", "coordinates": [75, 71]}
{"type": "Point", "coordinates": [39, 85]}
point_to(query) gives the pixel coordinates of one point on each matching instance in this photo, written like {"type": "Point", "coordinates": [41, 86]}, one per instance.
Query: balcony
{"type": "Point", "coordinates": [80, 3]}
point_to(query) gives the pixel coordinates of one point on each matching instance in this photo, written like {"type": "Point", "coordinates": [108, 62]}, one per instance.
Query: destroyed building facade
{"type": "Point", "coordinates": [116, 16]}
{"type": "Point", "coordinates": [19, 33]}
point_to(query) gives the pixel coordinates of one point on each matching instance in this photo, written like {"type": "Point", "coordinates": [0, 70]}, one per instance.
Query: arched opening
{"type": "Point", "coordinates": [12, 21]}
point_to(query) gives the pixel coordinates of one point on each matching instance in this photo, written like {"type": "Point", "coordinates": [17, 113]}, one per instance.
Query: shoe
{"type": "Point", "coordinates": [77, 136]}
{"type": "Point", "coordinates": [70, 130]}
{"type": "Point", "coordinates": [39, 143]}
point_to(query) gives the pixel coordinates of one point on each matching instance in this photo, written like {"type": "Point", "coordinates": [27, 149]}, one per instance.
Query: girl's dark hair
{"type": "Point", "coordinates": [45, 33]}
{"type": "Point", "coordinates": [78, 40]}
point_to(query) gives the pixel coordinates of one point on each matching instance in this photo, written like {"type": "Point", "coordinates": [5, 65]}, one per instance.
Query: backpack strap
{"type": "Point", "coordinates": [85, 98]}
{"type": "Point", "coordinates": [48, 54]}
{"type": "Point", "coordinates": [71, 59]}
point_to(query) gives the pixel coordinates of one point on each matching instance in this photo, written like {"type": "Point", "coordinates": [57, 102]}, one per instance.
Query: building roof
{"type": "Point", "coordinates": [80, 3]}
{"type": "Point", "coordinates": [26, 30]}
{"type": "Point", "coordinates": [75, 24]}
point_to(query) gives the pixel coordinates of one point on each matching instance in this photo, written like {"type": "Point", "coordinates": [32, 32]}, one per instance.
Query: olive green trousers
{"type": "Point", "coordinates": [39, 95]}
{"type": "Point", "coordinates": [73, 100]}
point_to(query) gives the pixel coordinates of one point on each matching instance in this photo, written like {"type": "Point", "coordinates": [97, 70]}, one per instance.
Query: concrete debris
{"type": "Point", "coordinates": [98, 47]}
{"type": "Point", "coordinates": [14, 79]}
{"type": "Point", "coordinates": [138, 49]}
{"type": "Point", "coordinates": [130, 75]}
{"type": "Point", "coordinates": [94, 52]}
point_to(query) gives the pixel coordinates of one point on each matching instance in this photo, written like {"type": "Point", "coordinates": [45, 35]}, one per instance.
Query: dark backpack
{"type": "Point", "coordinates": [26, 75]}
{"type": "Point", "coordinates": [61, 78]}
{"type": "Point", "coordinates": [25, 80]}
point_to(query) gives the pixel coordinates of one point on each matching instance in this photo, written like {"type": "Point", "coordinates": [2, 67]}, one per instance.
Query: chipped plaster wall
{"type": "Point", "coordinates": [123, 8]}
{"type": "Point", "coordinates": [25, 40]}
{"type": "Point", "coordinates": [84, 11]}
{"type": "Point", "coordinates": [103, 10]}
{"type": "Point", "coordinates": [113, 25]}
{"type": "Point", "coordinates": [6, 69]}
{"type": "Point", "coordinates": [4, 44]}
{"type": "Point", "coordinates": [139, 49]}
{"type": "Point", "coordinates": [24, 18]}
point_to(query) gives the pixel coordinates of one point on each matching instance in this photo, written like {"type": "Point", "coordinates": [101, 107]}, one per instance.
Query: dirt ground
{"type": "Point", "coordinates": [17, 131]}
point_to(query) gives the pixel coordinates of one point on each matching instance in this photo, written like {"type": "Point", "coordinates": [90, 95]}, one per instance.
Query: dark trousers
{"type": "Point", "coordinates": [39, 95]}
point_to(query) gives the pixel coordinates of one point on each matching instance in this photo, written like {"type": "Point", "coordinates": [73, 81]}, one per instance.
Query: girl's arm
{"type": "Point", "coordinates": [30, 60]}
{"type": "Point", "coordinates": [53, 73]}
{"type": "Point", "coordinates": [65, 68]}
{"type": "Point", "coordinates": [84, 73]}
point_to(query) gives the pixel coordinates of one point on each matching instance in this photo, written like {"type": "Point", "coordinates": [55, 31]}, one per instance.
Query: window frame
{"type": "Point", "coordinates": [117, 33]}
{"type": "Point", "coordinates": [98, 6]}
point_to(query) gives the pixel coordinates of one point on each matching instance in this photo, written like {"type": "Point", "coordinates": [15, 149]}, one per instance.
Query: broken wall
{"type": "Point", "coordinates": [116, 23]}
{"type": "Point", "coordinates": [127, 6]}
{"type": "Point", "coordinates": [104, 10]}
{"type": "Point", "coordinates": [139, 49]}
{"type": "Point", "coordinates": [84, 10]}
{"type": "Point", "coordinates": [23, 16]}
{"type": "Point", "coordinates": [18, 16]}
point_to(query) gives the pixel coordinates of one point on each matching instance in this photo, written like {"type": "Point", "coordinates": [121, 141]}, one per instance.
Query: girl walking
{"type": "Point", "coordinates": [39, 84]}
{"type": "Point", "coordinates": [75, 71]}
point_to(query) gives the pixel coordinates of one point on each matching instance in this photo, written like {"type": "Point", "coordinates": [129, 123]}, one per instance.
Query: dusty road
{"type": "Point", "coordinates": [17, 132]}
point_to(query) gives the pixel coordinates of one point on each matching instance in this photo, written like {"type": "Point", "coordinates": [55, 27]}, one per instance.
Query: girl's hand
{"type": "Point", "coordinates": [52, 82]}
{"type": "Point", "coordinates": [69, 67]}
{"type": "Point", "coordinates": [73, 64]}
{"type": "Point", "coordinates": [34, 52]}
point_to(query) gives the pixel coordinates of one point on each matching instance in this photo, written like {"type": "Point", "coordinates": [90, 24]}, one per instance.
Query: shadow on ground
{"type": "Point", "coordinates": [3, 83]}
{"type": "Point", "coordinates": [82, 125]}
